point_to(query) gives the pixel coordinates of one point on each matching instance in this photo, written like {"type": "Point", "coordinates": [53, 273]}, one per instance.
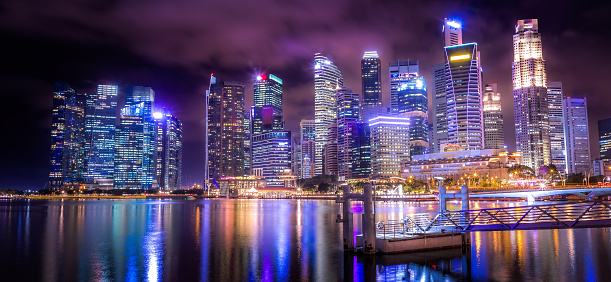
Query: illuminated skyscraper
{"type": "Point", "coordinates": [135, 141]}
{"type": "Point", "coordinates": [452, 33]}
{"type": "Point", "coordinates": [225, 129]}
{"type": "Point", "coordinates": [268, 91]}
{"type": "Point", "coordinates": [68, 137]}
{"type": "Point", "coordinates": [493, 118]}
{"type": "Point", "coordinates": [247, 144]}
{"type": "Point", "coordinates": [556, 125]}
{"type": "Point", "coordinates": [100, 127]}
{"type": "Point", "coordinates": [604, 139]}
{"type": "Point", "coordinates": [330, 150]}
{"type": "Point", "coordinates": [327, 78]}
{"type": "Point", "coordinates": [577, 135]}
{"type": "Point", "coordinates": [308, 148]}
{"type": "Point", "coordinates": [272, 152]}
{"type": "Point", "coordinates": [361, 164]}
{"type": "Point", "coordinates": [464, 97]}
{"type": "Point", "coordinates": [371, 75]}
{"type": "Point", "coordinates": [389, 145]}
{"type": "Point", "coordinates": [400, 72]}
{"type": "Point", "coordinates": [348, 112]}
{"type": "Point", "coordinates": [440, 105]}
{"type": "Point", "coordinates": [530, 95]}
{"type": "Point", "coordinates": [413, 104]}
{"type": "Point", "coordinates": [168, 159]}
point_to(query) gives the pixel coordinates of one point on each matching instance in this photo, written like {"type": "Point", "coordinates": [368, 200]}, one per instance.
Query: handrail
{"type": "Point", "coordinates": [547, 216]}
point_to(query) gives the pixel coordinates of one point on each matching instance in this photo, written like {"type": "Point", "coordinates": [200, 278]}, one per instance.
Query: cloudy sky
{"type": "Point", "coordinates": [173, 46]}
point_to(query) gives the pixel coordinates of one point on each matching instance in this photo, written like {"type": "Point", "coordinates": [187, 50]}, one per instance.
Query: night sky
{"type": "Point", "coordinates": [173, 46]}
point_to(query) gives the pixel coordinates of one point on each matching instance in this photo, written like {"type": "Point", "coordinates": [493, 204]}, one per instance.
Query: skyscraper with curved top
{"type": "Point", "coordinates": [327, 79]}
{"type": "Point", "coordinates": [530, 103]}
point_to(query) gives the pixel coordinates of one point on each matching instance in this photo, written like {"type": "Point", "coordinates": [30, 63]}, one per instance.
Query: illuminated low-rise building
{"type": "Point", "coordinates": [239, 185]}
{"type": "Point", "coordinates": [389, 145]}
{"type": "Point", "coordinates": [460, 164]}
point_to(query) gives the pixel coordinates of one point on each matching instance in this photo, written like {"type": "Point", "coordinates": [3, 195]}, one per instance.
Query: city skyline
{"type": "Point", "coordinates": [180, 86]}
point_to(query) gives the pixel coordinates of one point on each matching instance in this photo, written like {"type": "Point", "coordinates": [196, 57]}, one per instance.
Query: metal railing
{"type": "Point", "coordinates": [552, 216]}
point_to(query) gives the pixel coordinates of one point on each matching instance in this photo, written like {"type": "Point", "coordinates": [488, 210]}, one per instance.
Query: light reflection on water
{"type": "Point", "coordinates": [265, 240]}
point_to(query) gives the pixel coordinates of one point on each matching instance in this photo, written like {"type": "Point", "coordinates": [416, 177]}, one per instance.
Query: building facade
{"type": "Point", "coordinates": [272, 152]}
{"type": "Point", "coordinates": [452, 35]}
{"type": "Point", "coordinates": [399, 72]}
{"type": "Point", "coordinates": [440, 105]}
{"type": "Point", "coordinates": [576, 132]}
{"type": "Point", "coordinates": [308, 148]}
{"type": "Point", "coordinates": [135, 140]}
{"type": "Point", "coordinates": [604, 139]}
{"type": "Point", "coordinates": [247, 145]}
{"type": "Point", "coordinates": [67, 158]}
{"type": "Point", "coordinates": [225, 135]}
{"type": "Point", "coordinates": [327, 78]}
{"type": "Point", "coordinates": [371, 75]}
{"type": "Point", "coordinates": [268, 91]}
{"type": "Point", "coordinates": [460, 166]}
{"type": "Point", "coordinates": [531, 110]}
{"type": "Point", "coordinates": [100, 129]}
{"type": "Point", "coordinates": [464, 97]}
{"type": "Point", "coordinates": [389, 145]}
{"type": "Point", "coordinates": [348, 114]}
{"type": "Point", "coordinates": [168, 159]}
{"type": "Point", "coordinates": [556, 125]}
{"type": "Point", "coordinates": [494, 136]}
{"type": "Point", "coordinates": [413, 104]}
{"type": "Point", "coordinates": [330, 151]}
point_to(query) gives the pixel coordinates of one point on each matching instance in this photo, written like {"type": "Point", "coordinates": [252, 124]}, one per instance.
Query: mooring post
{"type": "Point", "coordinates": [442, 198]}
{"type": "Point", "coordinates": [464, 196]}
{"type": "Point", "coordinates": [369, 232]}
{"type": "Point", "coordinates": [347, 221]}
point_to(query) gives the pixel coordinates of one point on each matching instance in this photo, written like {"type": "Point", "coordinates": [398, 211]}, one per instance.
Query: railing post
{"type": "Point", "coordinates": [369, 231]}
{"type": "Point", "coordinates": [464, 196]}
{"type": "Point", "coordinates": [347, 221]}
{"type": "Point", "coordinates": [442, 198]}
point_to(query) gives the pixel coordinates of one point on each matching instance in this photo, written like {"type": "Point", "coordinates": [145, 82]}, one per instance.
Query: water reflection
{"type": "Point", "coordinates": [264, 240]}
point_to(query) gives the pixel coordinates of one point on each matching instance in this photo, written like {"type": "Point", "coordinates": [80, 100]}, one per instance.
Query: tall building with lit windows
{"type": "Point", "coordinates": [348, 114]}
{"type": "Point", "coordinates": [168, 153]}
{"type": "Point", "coordinates": [604, 139]}
{"type": "Point", "coordinates": [556, 125]}
{"type": "Point", "coordinates": [67, 162]}
{"type": "Point", "coordinates": [225, 130]}
{"type": "Point", "coordinates": [530, 104]}
{"type": "Point", "coordinates": [413, 104]}
{"type": "Point", "coordinates": [576, 132]}
{"type": "Point", "coordinates": [493, 118]}
{"type": "Point", "coordinates": [135, 148]}
{"type": "Point", "coordinates": [389, 145]}
{"type": "Point", "coordinates": [330, 151]}
{"type": "Point", "coordinates": [308, 148]}
{"type": "Point", "coordinates": [100, 129]}
{"type": "Point", "coordinates": [371, 75]}
{"type": "Point", "coordinates": [400, 72]}
{"type": "Point", "coordinates": [272, 150]}
{"type": "Point", "coordinates": [452, 35]}
{"type": "Point", "coordinates": [268, 91]}
{"type": "Point", "coordinates": [464, 97]}
{"type": "Point", "coordinates": [247, 145]}
{"type": "Point", "coordinates": [327, 79]}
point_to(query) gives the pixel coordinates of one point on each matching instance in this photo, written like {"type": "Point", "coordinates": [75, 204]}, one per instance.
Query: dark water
{"type": "Point", "coordinates": [263, 240]}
